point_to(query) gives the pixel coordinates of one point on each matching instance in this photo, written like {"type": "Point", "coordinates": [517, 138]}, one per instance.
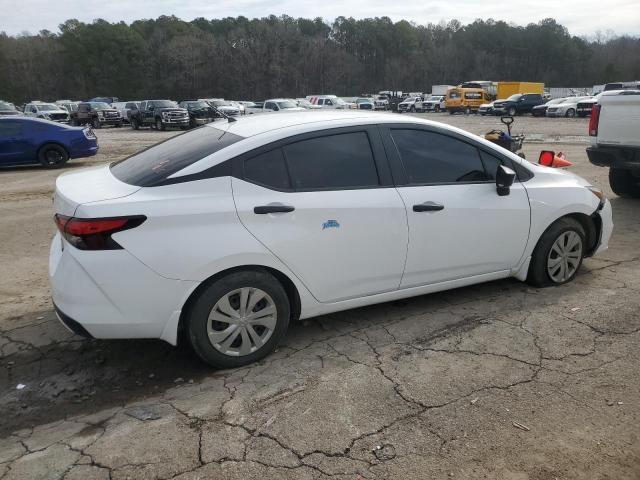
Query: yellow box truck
{"type": "Point", "coordinates": [506, 89]}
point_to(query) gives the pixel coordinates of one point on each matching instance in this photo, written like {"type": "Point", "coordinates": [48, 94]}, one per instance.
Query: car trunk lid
{"type": "Point", "coordinates": [86, 186]}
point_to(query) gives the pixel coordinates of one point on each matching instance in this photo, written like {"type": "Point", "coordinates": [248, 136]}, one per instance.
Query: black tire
{"type": "Point", "coordinates": [119, 124]}
{"type": "Point", "coordinates": [538, 275]}
{"type": "Point", "coordinates": [134, 124]}
{"type": "Point", "coordinates": [95, 123]}
{"type": "Point", "coordinates": [511, 111]}
{"type": "Point", "coordinates": [52, 155]}
{"type": "Point", "coordinates": [570, 113]}
{"type": "Point", "coordinates": [437, 109]}
{"type": "Point", "coordinates": [451, 112]}
{"type": "Point", "coordinates": [413, 109]}
{"type": "Point", "coordinates": [625, 183]}
{"type": "Point", "coordinates": [159, 125]}
{"type": "Point", "coordinates": [198, 316]}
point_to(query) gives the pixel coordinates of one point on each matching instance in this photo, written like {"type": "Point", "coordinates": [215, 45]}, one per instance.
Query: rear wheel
{"type": "Point", "coordinates": [238, 319]}
{"type": "Point", "coordinates": [52, 155]}
{"type": "Point", "coordinates": [625, 182]}
{"type": "Point", "coordinates": [558, 255]}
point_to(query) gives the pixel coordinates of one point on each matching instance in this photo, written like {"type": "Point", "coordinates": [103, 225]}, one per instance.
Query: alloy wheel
{"type": "Point", "coordinates": [242, 321]}
{"type": "Point", "coordinates": [564, 256]}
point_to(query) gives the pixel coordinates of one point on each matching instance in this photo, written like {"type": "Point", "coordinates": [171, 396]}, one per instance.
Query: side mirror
{"type": "Point", "coordinates": [504, 180]}
{"type": "Point", "coordinates": [34, 110]}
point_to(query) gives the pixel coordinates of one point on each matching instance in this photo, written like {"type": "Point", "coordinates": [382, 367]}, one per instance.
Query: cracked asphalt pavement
{"type": "Point", "coordinates": [495, 381]}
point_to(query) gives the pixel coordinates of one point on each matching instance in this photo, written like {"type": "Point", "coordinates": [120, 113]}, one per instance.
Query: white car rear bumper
{"type": "Point", "coordinates": [111, 294]}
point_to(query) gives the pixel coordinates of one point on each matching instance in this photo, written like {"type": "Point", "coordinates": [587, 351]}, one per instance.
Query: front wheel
{"type": "Point", "coordinates": [558, 255]}
{"type": "Point", "coordinates": [437, 109]}
{"type": "Point", "coordinates": [52, 155]}
{"type": "Point", "coordinates": [159, 124]}
{"type": "Point", "coordinates": [570, 113]}
{"type": "Point", "coordinates": [511, 111]}
{"type": "Point", "coordinates": [624, 182]}
{"type": "Point", "coordinates": [238, 319]}
{"type": "Point", "coordinates": [95, 123]}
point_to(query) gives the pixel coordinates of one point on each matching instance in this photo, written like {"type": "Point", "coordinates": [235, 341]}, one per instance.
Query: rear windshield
{"type": "Point", "coordinates": [154, 165]}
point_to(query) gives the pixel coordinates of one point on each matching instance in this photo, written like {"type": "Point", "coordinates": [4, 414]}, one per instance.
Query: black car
{"type": "Point", "coordinates": [541, 110]}
{"type": "Point", "coordinates": [159, 114]}
{"type": "Point", "coordinates": [584, 107]}
{"type": "Point", "coordinates": [200, 112]}
{"type": "Point", "coordinates": [517, 104]}
{"type": "Point", "coordinates": [96, 114]}
{"type": "Point", "coordinates": [8, 109]}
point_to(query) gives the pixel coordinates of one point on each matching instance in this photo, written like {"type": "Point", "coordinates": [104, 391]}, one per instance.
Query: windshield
{"type": "Point", "coordinates": [164, 104]}
{"type": "Point", "coordinates": [6, 106]}
{"type": "Point", "coordinates": [47, 107]}
{"type": "Point", "coordinates": [197, 105]}
{"type": "Point", "coordinates": [514, 97]}
{"type": "Point", "coordinates": [363, 100]}
{"type": "Point", "coordinates": [221, 103]}
{"type": "Point", "coordinates": [153, 166]}
{"type": "Point", "coordinates": [99, 105]}
{"type": "Point", "coordinates": [286, 104]}
{"type": "Point", "coordinates": [340, 101]}
{"type": "Point", "coordinates": [304, 102]}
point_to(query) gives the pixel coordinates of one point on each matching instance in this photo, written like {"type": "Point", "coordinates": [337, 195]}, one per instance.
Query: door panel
{"type": "Point", "coordinates": [476, 232]}
{"type": "Point", "coordinates": [341, 244]}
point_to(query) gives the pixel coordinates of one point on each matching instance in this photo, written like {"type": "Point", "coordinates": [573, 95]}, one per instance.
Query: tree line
{"type": "Point", "coordinates": [243, 58]}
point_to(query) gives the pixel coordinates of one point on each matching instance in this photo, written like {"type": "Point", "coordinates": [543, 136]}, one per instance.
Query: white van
{"type": "Point", "coordinates": [328, 101]}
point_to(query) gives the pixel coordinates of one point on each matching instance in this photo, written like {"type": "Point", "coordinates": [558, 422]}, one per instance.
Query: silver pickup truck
{"type": "Point", "coordinates": [614, 129]}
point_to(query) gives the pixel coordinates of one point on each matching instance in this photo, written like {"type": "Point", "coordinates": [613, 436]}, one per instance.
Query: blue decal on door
{"type": "Point", "coordinates": [330, 224]}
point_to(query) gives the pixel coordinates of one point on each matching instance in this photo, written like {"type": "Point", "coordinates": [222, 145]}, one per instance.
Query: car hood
{"type": "Point", "coordinates": [9, 112]}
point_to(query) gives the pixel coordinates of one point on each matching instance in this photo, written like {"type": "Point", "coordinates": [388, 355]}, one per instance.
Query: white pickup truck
{"type": "Point", "coordinates": [615, 142]}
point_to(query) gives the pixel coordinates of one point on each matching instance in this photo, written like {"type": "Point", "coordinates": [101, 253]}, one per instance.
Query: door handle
{"type": "Point", "coordinates": [428, 207]}
{"type": "Point", "coordinates": [273, 208]}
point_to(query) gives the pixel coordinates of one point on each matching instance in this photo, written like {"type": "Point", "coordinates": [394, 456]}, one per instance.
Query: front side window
{"type": "Point", "coordinates": [156, 164]}
{"type": "Point", "coordinates": [433, 158]}
{"type": "Point", "coordinates": [338, 161]}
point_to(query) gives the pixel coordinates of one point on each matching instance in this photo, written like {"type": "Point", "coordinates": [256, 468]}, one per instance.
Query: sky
{"type": "Point", "coordinates": [581, 17]}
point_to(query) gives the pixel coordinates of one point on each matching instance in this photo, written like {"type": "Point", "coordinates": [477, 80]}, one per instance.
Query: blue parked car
{"type": "Point", "coordinates": [27, 141]}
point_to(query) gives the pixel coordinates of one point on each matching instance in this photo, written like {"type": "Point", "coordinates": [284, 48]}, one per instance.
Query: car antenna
{"type": "Point", "coordinates": [229, 118]}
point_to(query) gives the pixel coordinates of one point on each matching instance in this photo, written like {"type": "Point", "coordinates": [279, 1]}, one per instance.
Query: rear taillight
{"type": "Point", "coordinates": [595, 119]}
{"type": "Point", "coordinates": [95, 233]}
{"type": "Point", "coordinates": [89, 134]}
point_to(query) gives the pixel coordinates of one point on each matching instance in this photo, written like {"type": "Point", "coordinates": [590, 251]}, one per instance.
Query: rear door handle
{"type": "Point", "coordinates": [273, 208]}
{"type": "Point", "coordinates": [428, 207]}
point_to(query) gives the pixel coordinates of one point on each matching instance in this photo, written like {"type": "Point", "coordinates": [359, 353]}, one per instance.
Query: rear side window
{"type": "Point", "coordinates": [157, 163]}
{"type": "Point", "coordinates": [432, 158]}
{"type": "Point", "coordinates": [268, 169]}
{"type": "Point", "coordinates": [10, 129]}
{"type": "Point", "coordinates": [332, 162]}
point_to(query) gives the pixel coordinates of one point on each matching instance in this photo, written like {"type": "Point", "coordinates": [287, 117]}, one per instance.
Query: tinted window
{"type": "Point", "coordinates": [10, 129]}
{"type": "Point", "coordinates": [490, 163]}
{"type": "Point", "coordinates": [435, 158]}
{"type": "Point", "coordinates": [268, 169]}
{"type": "Point", "coordinates": [332, 162]}
{"type": "Point", "coordinates": [155, 164]}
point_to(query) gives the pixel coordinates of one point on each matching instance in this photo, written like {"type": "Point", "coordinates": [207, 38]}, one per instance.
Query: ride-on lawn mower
{"type": "Point", "coordinates": [513, 143]}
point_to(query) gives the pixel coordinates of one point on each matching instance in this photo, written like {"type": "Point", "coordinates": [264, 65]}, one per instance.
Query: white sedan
{"type": "Point", "coordinates": [230, 231]}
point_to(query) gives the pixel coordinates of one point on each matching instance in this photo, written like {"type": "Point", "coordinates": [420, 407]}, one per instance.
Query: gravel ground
{"type": "Point", "coordinates": [496, 381]}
